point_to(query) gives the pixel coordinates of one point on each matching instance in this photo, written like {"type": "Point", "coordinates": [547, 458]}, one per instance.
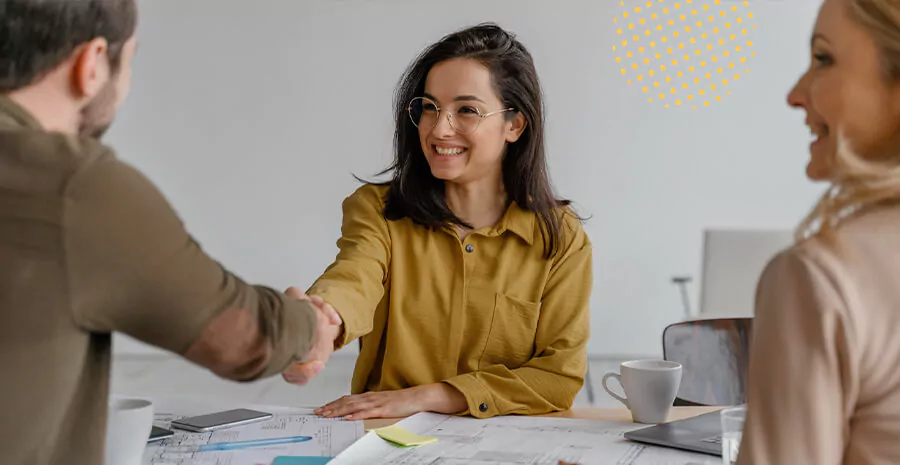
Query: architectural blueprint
{"type": "Point", "coordinates": [516, 440]}
{"type": "Point", "coordinates": [329, 437]}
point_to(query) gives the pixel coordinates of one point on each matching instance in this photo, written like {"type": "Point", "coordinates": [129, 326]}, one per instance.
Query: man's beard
{"type": "Point", "coordinates": [98, 115]}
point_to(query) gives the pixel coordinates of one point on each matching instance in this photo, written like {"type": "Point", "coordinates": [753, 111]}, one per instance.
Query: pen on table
{"type": "Point", "coordinates": [238, 444]}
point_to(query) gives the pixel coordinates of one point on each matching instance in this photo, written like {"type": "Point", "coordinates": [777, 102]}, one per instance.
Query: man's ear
{"type": "Point", "coordinates": [90, 71]}
{"type": "Point", "coordinates": [515, 128]}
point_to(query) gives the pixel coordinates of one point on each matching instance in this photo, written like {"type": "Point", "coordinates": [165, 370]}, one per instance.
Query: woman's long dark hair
{"type": "Point", "coordinates": [416, 194]}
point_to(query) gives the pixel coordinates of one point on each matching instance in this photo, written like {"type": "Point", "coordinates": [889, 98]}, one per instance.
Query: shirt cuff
{"type": "Point", "coordinates": [478, 397]}
{"type": "Point", "coordinates": [293, 340]}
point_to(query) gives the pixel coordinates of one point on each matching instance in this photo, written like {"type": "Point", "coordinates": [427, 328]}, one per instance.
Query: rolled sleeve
{"type": "Point", "coordinates": [292, 332]}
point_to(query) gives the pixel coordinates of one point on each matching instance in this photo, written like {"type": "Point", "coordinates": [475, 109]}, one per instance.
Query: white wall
{"type": "Point", "coordinates": [252, 116]}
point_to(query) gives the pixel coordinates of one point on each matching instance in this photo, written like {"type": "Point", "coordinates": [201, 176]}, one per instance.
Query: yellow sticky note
{"type": "Point", "coordinates": [401, 437]}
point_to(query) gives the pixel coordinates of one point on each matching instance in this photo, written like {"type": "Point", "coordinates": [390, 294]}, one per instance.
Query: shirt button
{"type": "Point", "coordinates": [483, 408]}
{"type": "Point", "coordinates": [470, 248]}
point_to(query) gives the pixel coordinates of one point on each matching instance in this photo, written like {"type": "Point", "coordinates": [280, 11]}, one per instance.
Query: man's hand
{"type": "Point", "coordinates": [328, 327]}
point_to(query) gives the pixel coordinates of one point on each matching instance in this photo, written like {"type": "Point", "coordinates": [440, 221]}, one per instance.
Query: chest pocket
{"type": "Point", "coordinates": [510, 341]}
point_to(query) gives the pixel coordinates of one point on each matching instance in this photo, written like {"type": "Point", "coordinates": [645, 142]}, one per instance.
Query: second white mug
{"type": "Point", "coordinates": [650, 388]}
{"type": "Point", "coordinates": [127, 430]}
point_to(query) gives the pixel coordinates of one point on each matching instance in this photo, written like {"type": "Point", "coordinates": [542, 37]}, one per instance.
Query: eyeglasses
{"type": "Point", "coordinates": [425, 114]}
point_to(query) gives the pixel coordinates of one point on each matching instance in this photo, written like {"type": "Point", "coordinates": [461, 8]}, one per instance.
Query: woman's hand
{"type": "Point", "coordinates": [439, 397]}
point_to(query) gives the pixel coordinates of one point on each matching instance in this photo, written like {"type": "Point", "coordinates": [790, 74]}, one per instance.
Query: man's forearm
{"type": "Point", "coordinates": [243, 345]}
{"type": "Point", "coordinates": [232, 346]}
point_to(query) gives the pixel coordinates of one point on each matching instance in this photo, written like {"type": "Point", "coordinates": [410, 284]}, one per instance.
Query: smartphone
{"type": "Point", "coordinates": [158, 434]}
{"type": "Point", "coordinates": [220, 420]}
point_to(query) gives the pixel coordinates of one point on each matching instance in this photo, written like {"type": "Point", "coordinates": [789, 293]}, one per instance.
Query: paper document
{"type": "Point", "coordinates": [329, 438]}
{"type": "Point", "coordinates": [516, 440]}
{"type": "Point", "coordinates": [301, 461]}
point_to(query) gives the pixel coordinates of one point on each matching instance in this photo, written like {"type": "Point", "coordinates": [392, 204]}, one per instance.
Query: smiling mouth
{"type": "Point", "coordinates": [448, 152]}
{"type": "Point", "coordinates": [818, 133]}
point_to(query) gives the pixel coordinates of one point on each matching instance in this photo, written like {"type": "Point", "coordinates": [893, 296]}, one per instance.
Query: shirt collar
{"type": "Point", "coordinates": [517, 221]}
{"type": "Point", "coordinates": [12, 115]}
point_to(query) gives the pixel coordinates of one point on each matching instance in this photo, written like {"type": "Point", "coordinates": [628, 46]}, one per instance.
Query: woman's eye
{"type": "Point", "coordinates": [823, 58]}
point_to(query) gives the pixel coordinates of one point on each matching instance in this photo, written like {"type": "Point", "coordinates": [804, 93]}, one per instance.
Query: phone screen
{"type": "Point", "coordinates": [223, 418]}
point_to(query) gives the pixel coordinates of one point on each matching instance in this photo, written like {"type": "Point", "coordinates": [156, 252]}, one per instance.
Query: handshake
{"type": "Point", "coordinates": [328, 329]}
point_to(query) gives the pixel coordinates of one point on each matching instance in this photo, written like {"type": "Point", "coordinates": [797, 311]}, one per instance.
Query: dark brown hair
{"type": "Point", "coordinates": [37, 35]}
{"type": "Point", "coordinates": [416, 194]}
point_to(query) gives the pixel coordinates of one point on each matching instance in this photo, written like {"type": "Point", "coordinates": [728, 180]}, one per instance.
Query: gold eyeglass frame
{"type": "Point", "coordinates": [481, 116]}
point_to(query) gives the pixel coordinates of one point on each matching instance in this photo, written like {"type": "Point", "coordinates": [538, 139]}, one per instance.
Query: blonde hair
{"type": "Point", "coordinates": [859, 184]}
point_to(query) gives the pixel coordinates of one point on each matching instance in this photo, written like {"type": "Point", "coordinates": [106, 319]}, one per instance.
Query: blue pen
{"type": "Point", "coordinates": [219, 446]}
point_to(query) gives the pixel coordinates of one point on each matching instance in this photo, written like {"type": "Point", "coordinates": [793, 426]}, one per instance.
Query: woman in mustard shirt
{"type": "Point", "coordinates": [466, 279]}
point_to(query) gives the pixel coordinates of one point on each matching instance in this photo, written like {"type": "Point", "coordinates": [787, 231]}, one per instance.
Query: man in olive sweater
{"type": "Point", "coordinates": [88, 246]}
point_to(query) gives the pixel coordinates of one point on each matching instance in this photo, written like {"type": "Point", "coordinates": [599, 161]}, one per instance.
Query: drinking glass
{"type": "Point", "coordinates": [732, 430]}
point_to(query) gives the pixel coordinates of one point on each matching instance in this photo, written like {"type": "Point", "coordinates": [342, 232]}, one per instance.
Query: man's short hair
{"type": "Point", "coordinates": [37, 35]}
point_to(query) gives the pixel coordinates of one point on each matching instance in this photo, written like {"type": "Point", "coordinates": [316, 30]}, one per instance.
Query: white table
{"type": "Point", "coordinates": [621, 415]}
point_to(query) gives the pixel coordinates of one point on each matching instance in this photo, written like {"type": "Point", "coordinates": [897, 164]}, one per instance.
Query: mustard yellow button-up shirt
{"type": "Point", "coordinates": [489, 315]}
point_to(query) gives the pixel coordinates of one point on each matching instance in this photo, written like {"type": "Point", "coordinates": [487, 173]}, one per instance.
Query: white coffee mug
{"type": "Point", "coordinates": [650, 388]}
{"type": "Point", "coordinates": [128, 426]}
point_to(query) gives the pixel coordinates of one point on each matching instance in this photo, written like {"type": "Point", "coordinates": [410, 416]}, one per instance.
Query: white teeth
{"type": "Point", "coordinates": [449, 151]}
{"type": "Point", "coordinates": [817, 133]}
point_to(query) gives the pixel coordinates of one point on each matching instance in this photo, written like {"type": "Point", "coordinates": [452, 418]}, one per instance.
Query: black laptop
{"type": "Point", "coordinates": [698, 434]}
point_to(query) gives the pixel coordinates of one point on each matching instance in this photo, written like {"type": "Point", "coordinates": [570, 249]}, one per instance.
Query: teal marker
{"type": "Point", "coordinates": [236, 445]}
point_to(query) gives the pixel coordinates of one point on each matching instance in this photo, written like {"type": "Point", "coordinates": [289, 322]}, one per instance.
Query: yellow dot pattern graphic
{"type": "Point", "coordinates": [684, 53]}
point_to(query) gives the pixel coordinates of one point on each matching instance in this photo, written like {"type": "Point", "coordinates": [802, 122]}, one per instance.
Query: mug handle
{"type": "Point", "coordinates": [609, 391]}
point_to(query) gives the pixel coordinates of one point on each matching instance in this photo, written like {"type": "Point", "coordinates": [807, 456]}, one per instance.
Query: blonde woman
{"type": "Point", "coordinates": [825, 364]}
